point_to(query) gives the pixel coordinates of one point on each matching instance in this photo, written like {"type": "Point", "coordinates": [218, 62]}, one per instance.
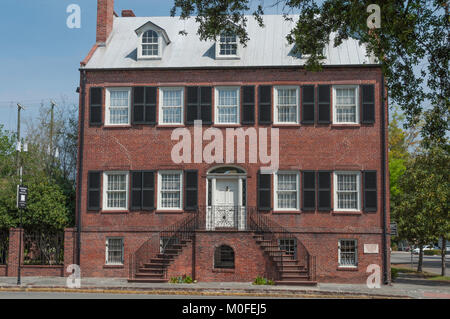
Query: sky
{"type": "Point", "coordinates": [40, 56]}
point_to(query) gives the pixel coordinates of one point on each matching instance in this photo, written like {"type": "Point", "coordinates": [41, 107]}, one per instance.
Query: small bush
{"type": "Point", "coordinates": [263, 281]}
{"type": "Point", "coordinates": [432, 252]}
{"type": "Point", "coordinates": [185, 279]}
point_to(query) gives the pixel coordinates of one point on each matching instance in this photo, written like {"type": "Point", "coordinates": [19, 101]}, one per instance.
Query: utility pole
{"type": "Point", "coordinates": [19, 170]}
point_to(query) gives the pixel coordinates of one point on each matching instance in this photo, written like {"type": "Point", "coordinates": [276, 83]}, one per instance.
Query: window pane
{"type": "Point", "coordinates": [346, 105]}
{"type": "Point", "coordinates": [150, 43]}
{"type": "Point", "coordinates": [348, 253]}
{"type": "Point", "coordinates": [228, 44]}
{"type": "Point", "coordinates": [287, 105]}
{"type": "Point", "coordinates": [287, 191]}
{"type": "Point", "coordinates": [227, 105]}
{"type": "Point", "coordinates": [171, 190]}
{"type": "Point", "coordinates": [118, 108]}
{"type": "Point", "coordinates": [116, 191]}
{"type": "Point", "coordinates": [115, 252]}
{"type": "Point", "coordinates": [347, 191]}
{"type": "Point", "coordinates": [172, 106]}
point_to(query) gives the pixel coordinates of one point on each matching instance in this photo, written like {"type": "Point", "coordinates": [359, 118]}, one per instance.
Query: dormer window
{"type": "Point", "coordinates": [227, 46]}
{"type": "Point", "coordinates": [150, 44]}
{"type": "Point", "coordinates": [152, 41]}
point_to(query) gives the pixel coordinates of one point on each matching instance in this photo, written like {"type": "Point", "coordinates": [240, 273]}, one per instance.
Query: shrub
{"type": "Point", "coordinates": [432, 252]}
{"type": "Point", "coordinates": [185, 279]}
{"type": "Point", "coordinates": [263, 281]}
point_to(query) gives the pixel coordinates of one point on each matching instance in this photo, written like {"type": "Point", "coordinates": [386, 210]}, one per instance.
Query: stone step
{"type": "Point", "coordinates": [285, 276]}
{"type": "Point", "coordinates": [155, 270]}
{"type": "Point", "coordinates": [148, 275]}
{"type": "Point", "coordinates": [166, 256]}
{"type": "Point", "coordinates": [163, 261]}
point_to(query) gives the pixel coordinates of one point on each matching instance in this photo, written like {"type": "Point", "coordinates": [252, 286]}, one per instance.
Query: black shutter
{"type": "Point", "coordinates": [191, 190]}
{"type": "Point", "coordinates": [308, 103]}
{"type": "Point", "coordinates": [144, 105]}
{"type": "Point", "coordinates": [199, 104]}
{"type": "Point", "coordinates": [265, 104]}
{"type": "Point", "coordinates": [205, 107]}
{"type": "Point", "coordinates": [95, 106]}
{"type": "Point", "coordinates": [248, 105]}
{"type": "Point", "coordinates": [370, 191]}
{"type": "Point", "coordinates": [192, 104]}
{"type": "Point", "coordinates": [324, 191]}
{"type": "Point", "coordinates": [309, 191]}
{"type": "Point", "coordinates": [142, 190]}
{"type": "Point", "coordinates": [368, 103]}
{"type": "Point", "coordinates": [136, 191]}
{"type": "Point", "coordinates": [94, 188]}
{"type": "Point", "coordinates": [324, 105]}
{"type": "Point", "coordinates": [148, 190]}
{"type": "Point", "coordinates": [264, 191]}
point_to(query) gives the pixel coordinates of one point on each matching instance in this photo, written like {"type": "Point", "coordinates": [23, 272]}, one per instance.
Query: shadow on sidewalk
{"type": "Point", "coordinates": [416, 279]}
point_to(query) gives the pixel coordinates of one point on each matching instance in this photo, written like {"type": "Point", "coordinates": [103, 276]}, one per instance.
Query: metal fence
{"type": "Point", "coordinates": [43, 247]}
{"type": "Point", "coordinates": [4, 244]}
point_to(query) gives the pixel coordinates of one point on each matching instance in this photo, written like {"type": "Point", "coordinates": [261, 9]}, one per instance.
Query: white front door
{"type": "Point", "coordinates": [226, 203]}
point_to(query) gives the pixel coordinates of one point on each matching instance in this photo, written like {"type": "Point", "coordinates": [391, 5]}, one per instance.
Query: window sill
{"type": "Point", "coordinates": [223, 270]}
{"type": "Point", "coordinates": [169, 211]}
{"type": "Point", "coordinates": [286, 212]}
{"type": "Point", "coordinates": [117, 126]}
{"type": "Point", "coordinates": [228, 57]}
{"type": "Point", "coordinates": [121, 266]}
{"type": "Point", "coordinates": [287, 125]}
{"type": "Point", "coordinates": [169, 125]}
{"type": "Point", "coordinates": [114, 211]}
{"type": "Point", "coordinates": [347, 268]}
{"type": "Point", "coordinates": [343, 125]}
{"type": "Point", "coordinates": [218, 125]}
{"type": "Point", "coordinates": [338, 212]}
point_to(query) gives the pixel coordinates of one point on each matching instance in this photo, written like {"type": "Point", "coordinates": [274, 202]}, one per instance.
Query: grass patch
{"type": "Point", "coordinates": [423, 274]}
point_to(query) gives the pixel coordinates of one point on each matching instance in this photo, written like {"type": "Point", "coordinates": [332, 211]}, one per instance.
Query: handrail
{"type": "Point", "coordinates": [152, 246]}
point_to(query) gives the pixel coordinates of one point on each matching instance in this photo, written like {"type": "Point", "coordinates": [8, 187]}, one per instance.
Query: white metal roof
{"type": "Point", "coordinates": [267, 46]}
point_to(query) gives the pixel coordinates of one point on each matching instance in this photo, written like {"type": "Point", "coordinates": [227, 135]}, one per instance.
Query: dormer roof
{"type": "Point", "coordinates": [149, 25]}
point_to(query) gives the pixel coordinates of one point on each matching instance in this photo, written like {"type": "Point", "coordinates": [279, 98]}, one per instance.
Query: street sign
{"type": "Point", "coordinates": [394, 229]}
{"type": "Point", "coordinates": [22, 195]}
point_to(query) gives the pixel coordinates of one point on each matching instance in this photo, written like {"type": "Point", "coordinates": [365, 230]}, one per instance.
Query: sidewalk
{"type": "Point", "coordinates": [404, 288]}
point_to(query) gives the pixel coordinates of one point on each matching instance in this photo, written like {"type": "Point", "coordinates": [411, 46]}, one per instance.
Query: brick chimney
{"type": "Point", "coordinates": [128, 13]}
{"type": "Point", "coordinates": [105, 18]}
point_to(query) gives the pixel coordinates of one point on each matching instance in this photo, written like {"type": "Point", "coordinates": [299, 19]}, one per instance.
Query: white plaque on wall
{"type": "Point", "coordinates": [371, 248]}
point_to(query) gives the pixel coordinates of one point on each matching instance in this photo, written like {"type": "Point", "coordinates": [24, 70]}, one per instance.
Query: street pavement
{"type": "Point", "coordinates": [431, 264]}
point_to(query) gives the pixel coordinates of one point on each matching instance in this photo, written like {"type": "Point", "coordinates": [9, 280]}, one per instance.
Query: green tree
{"type": "Point", "coordinates": [412, 43]}
{"type": "Point", "coordinates": [423, 209]}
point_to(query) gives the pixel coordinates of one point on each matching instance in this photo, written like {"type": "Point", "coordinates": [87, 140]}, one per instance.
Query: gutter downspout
{"type": "Point", "coordinates": [80, 163]}
{"type": "Point", "coordinates": [383, 182]}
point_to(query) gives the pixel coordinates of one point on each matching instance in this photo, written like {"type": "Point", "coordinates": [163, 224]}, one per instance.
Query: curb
{"type": "Point", "coordinates": [207, 292]}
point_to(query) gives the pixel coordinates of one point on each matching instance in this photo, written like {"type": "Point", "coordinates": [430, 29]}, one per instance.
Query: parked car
{"type": "Point", "coordinates": [417, 250]}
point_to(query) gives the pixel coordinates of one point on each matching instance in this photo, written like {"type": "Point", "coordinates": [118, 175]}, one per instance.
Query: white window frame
{"type": "Point", "coordinates": [216, 102]}
{"type": "Point", "coordinates": [356, 88]}
{"type": "Point", "coordinates": [160, 105]}
{"type": "Point", "coordinates": [105, 190]}
{"type": "Point", "coordinates": [275, 100]}
{"type": "Point", "coordinates": [227, 56]}
{"type": "Point", "coordinates": [275, 188]}
{"type": "Point", "coordinates": [141, 56]}
{"type": "Point", "coordinates": [356, 253]}
{"type": "Point", "coordinates": [358, 187]}
{"type": "Point", "coordinates": [107, 251]}
{"type": "Point", "coordinates": [159, 203]}
{"type": "Point", "coordinates": [108, 105]}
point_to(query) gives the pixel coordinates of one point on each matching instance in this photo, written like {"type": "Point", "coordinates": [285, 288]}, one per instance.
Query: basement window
{"type": "Point", "coordinates": [114, 251]}
{"type": "Point", "coordinates": [348, 253]}
{"type": "Point", "coordinates": [224, 257]}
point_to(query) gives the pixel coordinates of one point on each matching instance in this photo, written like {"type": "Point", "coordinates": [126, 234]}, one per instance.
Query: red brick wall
{"type": "Point", "coordinates": [3, 270]}
{"type": "Point", "coordinates": [42, 270]}
{"type": "Point", "coordinates": [302, 147]}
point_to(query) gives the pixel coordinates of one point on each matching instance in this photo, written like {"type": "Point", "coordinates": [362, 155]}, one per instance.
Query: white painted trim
{"type": "Point", "coordinates": [140, 56]}
{"type": "Point", "coordinates": [216, 100]}
{"type": "Point", "coordinates": [160, 104]}
{"type": "Point", "coordinates": [159, 206]}
{"type": "Point", "coordinates": [105, 189]}
{"type": "Point", "coordinates": [335, 197]}
{"type": "Point", "coordinates": [108, 103]}
{"type": "Point", "coordinates": [356, 87]}
{"type": "Point", "coordinates": [275, 189]}
{"type": "Point", "coordinates": [275, 103]}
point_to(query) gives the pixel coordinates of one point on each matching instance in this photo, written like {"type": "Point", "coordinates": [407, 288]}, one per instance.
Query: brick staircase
{"type": "Point", "coordinates": [155, 270]}
{"type": "Point", "coordinates": [290, 271]}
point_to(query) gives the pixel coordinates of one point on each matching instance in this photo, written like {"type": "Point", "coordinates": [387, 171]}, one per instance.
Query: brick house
{"type": "Point", "coordinates": [319, 215]}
